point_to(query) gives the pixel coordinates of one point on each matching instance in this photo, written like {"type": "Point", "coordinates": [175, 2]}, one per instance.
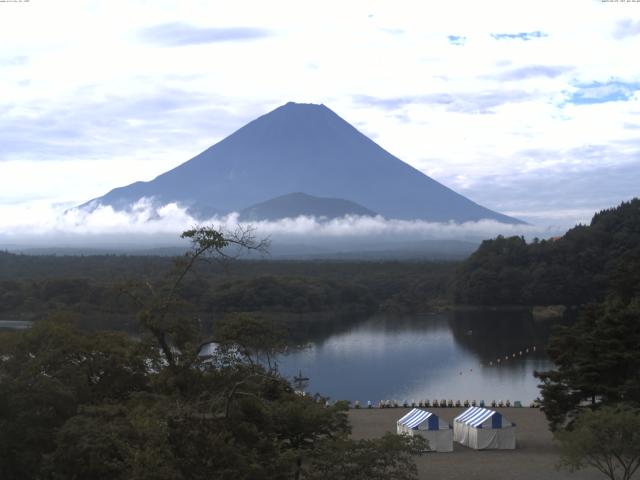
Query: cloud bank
{"type": "Point", "coordinates": [145, 223]}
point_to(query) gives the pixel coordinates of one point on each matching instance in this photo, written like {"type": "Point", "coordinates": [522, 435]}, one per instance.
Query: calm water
{"type": "Point", "coordinates": [418, 357]}
{"type": "Point", "coordinates": [426, 357]}
{"type": "Point", "coordinates": [14, 324]}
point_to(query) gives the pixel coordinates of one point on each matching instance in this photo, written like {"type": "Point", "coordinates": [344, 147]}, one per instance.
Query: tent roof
{"type": "Point", "coordinates": [414, 418]}
{"type": "Point", "coordinates": [475, 416]}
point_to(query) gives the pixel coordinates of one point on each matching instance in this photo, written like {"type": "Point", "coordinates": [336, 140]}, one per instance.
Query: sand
{"type": "Point", "coordinates": [535, 457]}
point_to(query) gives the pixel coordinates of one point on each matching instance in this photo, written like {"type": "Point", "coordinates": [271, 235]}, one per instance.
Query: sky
{"type": "Point", "coordinates": [528, 108]}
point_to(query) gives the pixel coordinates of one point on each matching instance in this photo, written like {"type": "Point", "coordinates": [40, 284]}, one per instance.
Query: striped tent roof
{"type": "Point", "coordinates": [475, 416]}
{"type": "Point", "coordinates": [414, 418]}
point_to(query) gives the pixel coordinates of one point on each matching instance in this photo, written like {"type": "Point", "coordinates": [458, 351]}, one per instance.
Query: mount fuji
{"type": "Point", "coordinates": [300, 151]}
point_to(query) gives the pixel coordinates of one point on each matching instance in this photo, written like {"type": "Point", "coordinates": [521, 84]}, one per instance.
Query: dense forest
{"type": "Point", "coordinates": [95, 289]}
{"type": "Point", "coordinates": [575, 269]}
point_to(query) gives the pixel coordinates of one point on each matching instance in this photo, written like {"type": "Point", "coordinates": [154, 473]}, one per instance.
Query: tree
{"type": "Point", "coordinates": [607, 439]}
{"type": "Point", "coordinates": [179, 338]}
{"type": "Point", "coordinates": [94, 444]}
{"type": "Point", "coordinates": [46, 373]}
{"type": "Point", "coordinates": [574, 269]}
{"type": "Point", "coordinates": [387, 458]}
{"type": "Point", "coordinates": [597, 361]}
{"type": "Point", "coordinates": [105, 406]}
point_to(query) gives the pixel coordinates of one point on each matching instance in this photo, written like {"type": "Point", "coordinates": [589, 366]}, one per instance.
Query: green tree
{"type": "Point", "coordinates": [387, 458]}
{"type": "Point", "coordinates": [597, 361]}
{"type": "Point", "coordinates": [93, 445]}
{"type": "Point", "coordinates": [607, 439]}
{"type": "Point", "coordinates": [46, 373]}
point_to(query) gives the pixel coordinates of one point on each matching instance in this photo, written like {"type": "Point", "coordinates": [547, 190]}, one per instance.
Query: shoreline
{"type": "Point", "coordinates": [535, 457]}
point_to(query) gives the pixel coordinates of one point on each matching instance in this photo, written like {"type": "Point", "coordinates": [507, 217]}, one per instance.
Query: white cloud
{"type": "Point", "coordinates": [84, 91]}
{"type": "Point", "coordinates": [57, 226]}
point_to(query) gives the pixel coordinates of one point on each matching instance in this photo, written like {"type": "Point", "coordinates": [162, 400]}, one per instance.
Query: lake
{"type": "Point", "coordinates": [15, 324]}
{"type": "Point", "coordinates": [442, 356]}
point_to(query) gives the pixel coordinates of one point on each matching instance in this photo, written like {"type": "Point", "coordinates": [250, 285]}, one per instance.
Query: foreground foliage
{"type": "Point", "coordinates": [607, 439]}
{"type": "Point", "coordinates": [592, 398]}
{"type": "Point", "coordinates": [597, 361]}
{"type": "Point", "coordinates": [180, 402]}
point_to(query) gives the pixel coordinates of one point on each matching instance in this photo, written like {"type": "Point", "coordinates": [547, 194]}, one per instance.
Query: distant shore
{"type": "Point", "coordinates": [535, 457]}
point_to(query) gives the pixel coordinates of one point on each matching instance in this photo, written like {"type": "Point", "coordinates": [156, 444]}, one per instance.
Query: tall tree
{"type": "Point", "coordinates": [597, 361]}
{"type": "Point", "coordinates": [607, 439]}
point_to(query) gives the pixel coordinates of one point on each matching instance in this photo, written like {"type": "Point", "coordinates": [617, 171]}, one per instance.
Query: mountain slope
{"type": "Point", "coordinates": [295, 204]}
{"type": "Point", "coordinates": [302, 148]}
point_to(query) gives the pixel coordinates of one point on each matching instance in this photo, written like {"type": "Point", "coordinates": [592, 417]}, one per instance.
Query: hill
{"type": "Point", "coordinates": [296, 204]}
{"type": "Point", "coordinates": [577, 268]}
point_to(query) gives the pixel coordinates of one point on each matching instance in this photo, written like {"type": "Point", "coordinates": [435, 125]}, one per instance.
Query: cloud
{"type": "Point", "coordinates": [464, 102]}
{"type": "Point", "coordinates": [457, 40]}
{"type": "Point", "coordinates": [41, 223]}
{"type": "Point", "coordinates": [178, 34]}
{"type": "Point", "coordinates": [534, 71]}
{"type": "Point", "coordinates": [626, 28]}
{"type": "Point", "coordinates": [602, 92]}
{"type": "Point", "coordinates": [524, 36]}
{"type": "Point", "coordinates": [91, 126]}
{"type": "Point", "coordinates": [13, 61]}
{"type": "Point", "coordinates": [560, 194]}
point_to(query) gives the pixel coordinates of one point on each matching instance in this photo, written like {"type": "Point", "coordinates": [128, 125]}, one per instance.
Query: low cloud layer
{"type": "Point", "coordinates": [41, 225]}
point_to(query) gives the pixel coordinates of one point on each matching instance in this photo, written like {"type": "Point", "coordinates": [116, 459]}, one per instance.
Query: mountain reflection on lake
{"type": "Point", "coordinates": [443, 356]}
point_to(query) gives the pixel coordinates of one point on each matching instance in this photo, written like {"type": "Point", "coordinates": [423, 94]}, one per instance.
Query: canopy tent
{"type": "Point", "coordinates": [426, 424]}
{"type": "Point", "coordinates": [480, 428]}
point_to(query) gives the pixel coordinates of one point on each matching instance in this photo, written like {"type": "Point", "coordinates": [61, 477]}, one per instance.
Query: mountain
{"type": "Point", "coordinates": [301, 148]}
{"type": "Point", "coordinates": [295, 204]}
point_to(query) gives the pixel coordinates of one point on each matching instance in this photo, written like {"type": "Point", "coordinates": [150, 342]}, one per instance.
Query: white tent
{"type": "Point", "coordinates": [481, 428]}
{"type": "Point", "coordinates": [426, 424]}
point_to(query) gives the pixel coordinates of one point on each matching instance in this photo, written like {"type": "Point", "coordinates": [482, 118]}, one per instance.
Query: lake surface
{"type": "Point", "coordinates": [443, 356]}
{"type": "Point", "coordinates": [15, 324]}
{"type": "Point", "coordinates": [418, 357]}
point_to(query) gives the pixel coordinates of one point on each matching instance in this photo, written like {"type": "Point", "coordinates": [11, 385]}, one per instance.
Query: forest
{"type": "Point", "coordinates": [575, 269]}
{"type": "Point", "coordinates": [93, 289]}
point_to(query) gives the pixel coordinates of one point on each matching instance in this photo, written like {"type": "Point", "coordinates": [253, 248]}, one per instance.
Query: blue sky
{"type": "Point", "coordinates": [529, 108]}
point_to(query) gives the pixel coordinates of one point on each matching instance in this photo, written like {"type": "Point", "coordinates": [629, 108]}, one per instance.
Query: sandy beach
{"type": "Point", "coordinates": [535, 457]}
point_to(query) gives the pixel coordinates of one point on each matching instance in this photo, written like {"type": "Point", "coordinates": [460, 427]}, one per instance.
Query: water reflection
{"type": "Point", "coordinates": [427, 357]}
{"type": "Point", "coordinates": [15, 324]}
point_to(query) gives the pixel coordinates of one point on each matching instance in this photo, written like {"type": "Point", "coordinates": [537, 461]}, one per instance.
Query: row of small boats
{"type": "Point", "coordinates": [443, 403]}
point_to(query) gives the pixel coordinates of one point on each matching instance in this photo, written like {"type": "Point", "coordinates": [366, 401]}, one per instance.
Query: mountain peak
{"type": "Point", "coordinates": [302, 111]}
{"type": "Point", "coordinates": [303, 147]}
{"type": "Point", "coordinates": [304, 105]}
